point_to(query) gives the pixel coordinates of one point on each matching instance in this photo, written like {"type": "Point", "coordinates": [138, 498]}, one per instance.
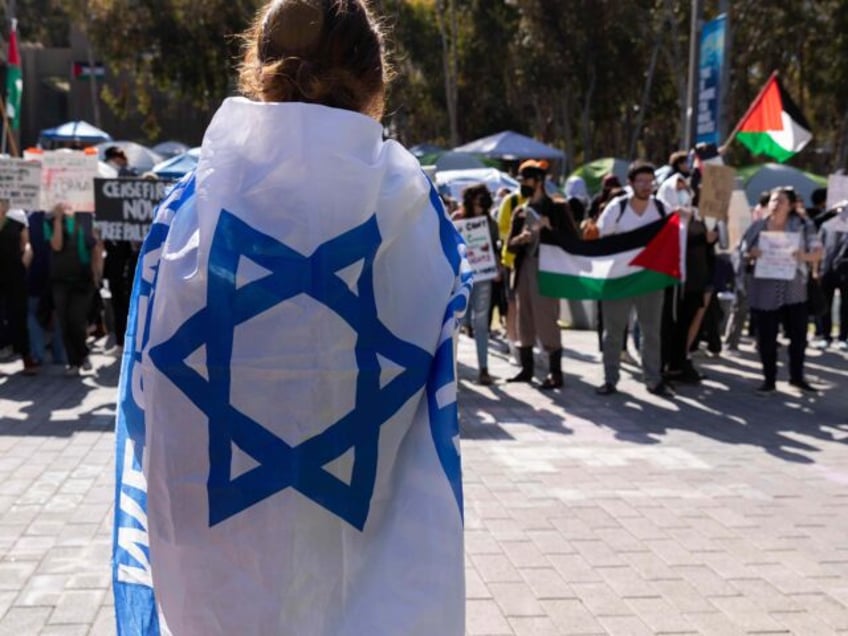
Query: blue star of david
{"type": "Point", "coordinates": [282, 466]}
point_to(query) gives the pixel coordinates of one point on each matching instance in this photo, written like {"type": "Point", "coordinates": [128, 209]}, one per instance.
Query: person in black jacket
{"type": "Point", "coordinates": [539, 218]}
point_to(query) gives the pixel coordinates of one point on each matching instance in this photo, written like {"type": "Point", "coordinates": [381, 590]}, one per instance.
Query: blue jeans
{"type": "Point", "coordinates": [37, 338]}
{"type": "Point", "coordinates": [480, 302]}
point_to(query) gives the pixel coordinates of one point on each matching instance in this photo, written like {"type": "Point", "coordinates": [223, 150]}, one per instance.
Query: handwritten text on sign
{"type": "Point", "coordinates": [20, 183]}
{"type": "Point", "coordinates": [67, 176]}
{"type": "Point", "coordinates": [481, 253]}
{"type": "Point", "coordinates": [125, 207]}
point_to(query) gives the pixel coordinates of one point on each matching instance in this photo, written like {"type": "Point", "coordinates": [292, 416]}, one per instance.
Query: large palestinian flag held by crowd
{"type": "Point", "coordinates": [774, 125]}
{"type": "Point", "coordinates": [618, 266]}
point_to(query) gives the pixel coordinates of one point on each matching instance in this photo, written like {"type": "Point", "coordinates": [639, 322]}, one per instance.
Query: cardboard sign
{"type": "Point", "coordinates": [837, 190]}
{"type": "Point", "coordinates": [481, 253]}
{"type": "Point", "coordinates": [67, 176]}
{"type": "Point", "coordinates": [716, 189]}
{"type": "Point", "coordinates": [124, 208]}
{"type": "Point", "coordinates": [738, 218]}
{"type": "Point", "coordinates": [20, 183]}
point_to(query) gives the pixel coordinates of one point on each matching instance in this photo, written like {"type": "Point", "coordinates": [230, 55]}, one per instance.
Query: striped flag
{"type": "Point", "coordinates": [14, 79]}
{"type": "Point", "coordinates": [288, 441]}
{"type": "Point", "coordinates": [774, 125]}
{"type": "Point", "coordinates": [617, 266]}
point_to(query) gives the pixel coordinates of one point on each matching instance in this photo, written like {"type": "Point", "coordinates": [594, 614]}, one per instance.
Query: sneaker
{"type": "Point", "coordinates": [842, 345]}
{"type": "Point", "coordinates": [820, 343]}
{"type": "Point", "coordinates": [803, 385]}
{"type": "Point", "coordinates": [765, 389]}
{"type": "Point", "coordinates": [662, 390]}
{"type": "Point", "coordinates": [606, 389]}
{"type": "Point", "coordinates": [72, 371]}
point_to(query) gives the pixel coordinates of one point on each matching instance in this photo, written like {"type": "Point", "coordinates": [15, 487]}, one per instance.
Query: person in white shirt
{"type": "Point", "coordinates": [625, 214]}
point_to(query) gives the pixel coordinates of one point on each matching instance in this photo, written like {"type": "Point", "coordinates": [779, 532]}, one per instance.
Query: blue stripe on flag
{"type": "Point", "coordinates": [444, 413]}
{"type": "Point", "coordinates": [135, 602]}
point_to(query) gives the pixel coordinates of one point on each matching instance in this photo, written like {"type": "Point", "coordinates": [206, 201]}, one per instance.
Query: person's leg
{"type": "Point", "coordinates": [796, 320]}
{"type": "Point", "coordinates": [668, 332]}
{"type": "Point", "coordinates": [120, 310]}
{"type": "Point", "coordinates": [546, 314]}
{"type": "Point", "coordinates": [843, 312]}
{"type": "Point", "coordinates": [481, 296]}
{"type": "Point", "coordinates": [768, 323]}
{"type": "Point", "coordinates": [824, 323]}
{"type": "Point", "coordinates": [526, 329]}
{"type": "Point", "coordinates": [17, 308]}
{"type": "Point", "coordinates": [649, 308]}
{"type": "Point", "coordinates": [616, 313]}
{"type": "Point", "coordinates": [36, 333]}
{"type": "Point", "coordinates": [79, 307]}
{"type": "Point", "coordinates": [61, 305]}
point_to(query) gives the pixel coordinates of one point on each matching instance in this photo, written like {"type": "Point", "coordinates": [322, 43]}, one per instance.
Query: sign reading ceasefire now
{"type": "Point", "coordinates": [124, 207]}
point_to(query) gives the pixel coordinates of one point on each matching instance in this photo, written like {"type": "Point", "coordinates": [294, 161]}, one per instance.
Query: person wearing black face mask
{"type": "Point", "coordinates": [537, 314]}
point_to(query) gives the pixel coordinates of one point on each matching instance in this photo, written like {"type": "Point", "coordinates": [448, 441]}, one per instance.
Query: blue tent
{"type": "Point", "coordinates": [170, 149]}
{"type": "Point", "coordinates": [74, 131]}
{"type": "Point", "coordinates": [511, 146]}
{"type": "Point", "coordinates": [177, 167]}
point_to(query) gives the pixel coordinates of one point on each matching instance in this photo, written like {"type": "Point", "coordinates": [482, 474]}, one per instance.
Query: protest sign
{"type": "Point", "coordinates": [738, 217]}
{"type": "Point", "coordinates": [20, 183]}
{"type": "Point", "coordinates": [837, 190]}
{"type": "Point", "coordinates": [67, 176]}
{"type": "Point", "coordinates": [777, 255]}
{"type": "Point", "coordinates": [717, 187]}
{"type": "Point", "coordinates": [124, 207]}
{"type": "Point", "coordinates": [481, 252]}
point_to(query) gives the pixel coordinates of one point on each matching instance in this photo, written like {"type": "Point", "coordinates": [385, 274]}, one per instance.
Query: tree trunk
{"type": "Point", "coordinates": [675, 62]}
{"type": "Point", "coordinates": [448, 30]}
{"type": "Point", "coordinates": [646, 95]}
{"type": "Point", "coordinates": [586, 113]}
{"type": "Point", "coordinates": [568, 133]}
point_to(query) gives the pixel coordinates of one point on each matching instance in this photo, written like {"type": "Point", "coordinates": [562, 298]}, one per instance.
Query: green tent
{"type": "Point", "coordinates": [763, 177]}
{"type": "Point", "coordinates": [594, 171]}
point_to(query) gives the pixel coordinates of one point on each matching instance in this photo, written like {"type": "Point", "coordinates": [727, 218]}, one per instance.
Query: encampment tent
{"type": "Point", "coordinates": [139, 157]}
{"type": "Point", "coordinates": [594, 171]}
{"type": "Point", "coordinates": [455, 181]}
{"type": "Point", "coordinates": [73, 132]}
{"type": "Point", "coordinates": [760, 178]}
{"type": "Point", "coordinates": [511, 145]}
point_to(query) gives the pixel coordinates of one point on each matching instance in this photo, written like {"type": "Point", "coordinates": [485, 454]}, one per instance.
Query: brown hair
{"type": "Point", "coordinates": [326, 52]}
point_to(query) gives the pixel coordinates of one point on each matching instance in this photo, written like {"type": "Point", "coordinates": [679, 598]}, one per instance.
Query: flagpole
{"type": "Point", "coordinates": [723, 148]}
{"type": "Point", "coordinates": [8, 135]}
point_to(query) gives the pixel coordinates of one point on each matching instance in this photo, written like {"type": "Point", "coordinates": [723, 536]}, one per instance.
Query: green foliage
{"type": "Point", "coordinates": [574, 73]}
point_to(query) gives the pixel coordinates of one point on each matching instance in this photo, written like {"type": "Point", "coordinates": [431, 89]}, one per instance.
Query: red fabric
{"type": "Point", "coordinates": [14, 57]}
{"type": "Point", "coordinates": [662, 254]}
{"type": "Point", "coordinates": [765, 114]}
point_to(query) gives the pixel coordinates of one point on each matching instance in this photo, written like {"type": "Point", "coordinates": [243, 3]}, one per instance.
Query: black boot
{"type": "Point", "coordinates": [526, 357]}
{"type": "Point", "coordinates": [554, 379]}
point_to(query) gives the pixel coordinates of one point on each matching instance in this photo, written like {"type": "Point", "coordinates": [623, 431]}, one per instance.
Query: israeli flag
{"type": "Point", "coordinates": [287, 437]}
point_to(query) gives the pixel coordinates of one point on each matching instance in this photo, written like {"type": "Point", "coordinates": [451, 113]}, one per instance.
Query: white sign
{"type": "Point", "coordinates": [738, 217]}
{"type": "Point", "coordinates": [20, 183]}
{"type": "Point", "coordinates": [481, 253]}
{"type": "Point", "coordinates": [67, 176]}
{"type": "Point", "coordinates": [837, 190]}
{"type": "Point", "coordinates": [777, 255]}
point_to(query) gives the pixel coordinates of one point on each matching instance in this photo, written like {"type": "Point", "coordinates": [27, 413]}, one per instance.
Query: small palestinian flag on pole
{"type": "Point", "coordinates": [14, 79]}
{"type": "Point", "coordinates": [619, 266]}
{"type": "Point", "coordinates": [774, 125]}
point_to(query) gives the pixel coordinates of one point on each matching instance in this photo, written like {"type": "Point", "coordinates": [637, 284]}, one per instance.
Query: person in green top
{"type": "Point", "coordinates": [75, 270]}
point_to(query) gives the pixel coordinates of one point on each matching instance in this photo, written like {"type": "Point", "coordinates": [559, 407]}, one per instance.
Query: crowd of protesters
{"type": "Point", "coordinates": [53, 267]}
{"type": "Point", "coordinates": [52, 271]}
{"type": "Point", "coordinates": [718, 300]}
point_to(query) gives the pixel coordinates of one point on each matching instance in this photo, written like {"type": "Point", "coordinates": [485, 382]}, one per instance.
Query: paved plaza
{"type": "Point", "coordinates": [716, 512]}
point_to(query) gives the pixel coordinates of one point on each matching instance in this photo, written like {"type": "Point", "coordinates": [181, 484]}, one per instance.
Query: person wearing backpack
{"type": "Point", "coordinates": [834, 272]}
{"type": "Point", "coordinates": [627, 213]}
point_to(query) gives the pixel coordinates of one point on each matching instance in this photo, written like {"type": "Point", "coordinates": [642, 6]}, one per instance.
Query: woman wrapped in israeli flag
{"type": "Point", "coordinates": [288, 447]}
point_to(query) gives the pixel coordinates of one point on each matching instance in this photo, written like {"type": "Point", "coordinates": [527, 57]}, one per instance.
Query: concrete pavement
{"type": "Point", "coordinates": [716, 512]}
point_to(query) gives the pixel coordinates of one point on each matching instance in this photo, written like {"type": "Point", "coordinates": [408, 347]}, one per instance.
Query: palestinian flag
{"type": "Point", "coordinates": [14, 79]}
{"type": "Point", "coordinates": [618, 266]}
{"type": "Point", "coordinates": [773, 125]}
